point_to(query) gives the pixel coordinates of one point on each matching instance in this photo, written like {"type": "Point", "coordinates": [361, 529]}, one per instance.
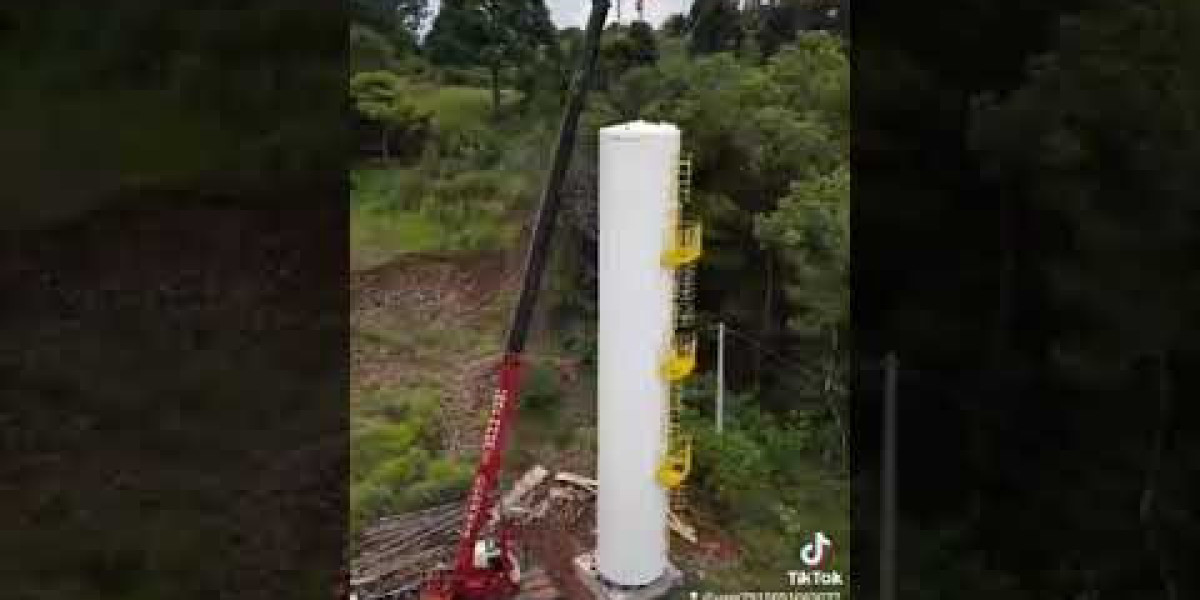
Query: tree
{"type": "Point", "coordinates": [1106, 119]}
{"type": "Point", "coordinates": [811, 231]}
{"type": "Point", "coordinates": [623, 49]}
{"type": "Point", "coordinates": [391, 16]}
{"type": "Point", "coordinates": [675, 25]}
{"type": "Point", "coordinates": [754, 132]}
{"type": "Point", "coordinates": [716, 26]}
{"type": "Point", "coordinates": [634, 95]}
{"type": "Point", "coordinates": [1099, 148]}
{"type": "Point", "coordinates": [543, 79]}
{"type": "Point", "coordinates": [379, 96]}
{"type": "Point", "coordinates": [492, 33]}
{"type": "Point", "coordinates": [369, 51]}
{"type": "Point", "coordinates": [779, 23]}
{"type": "Point", "coordinates": [457, 35]}
{"type": "Point", "coordinates": [642, 43]}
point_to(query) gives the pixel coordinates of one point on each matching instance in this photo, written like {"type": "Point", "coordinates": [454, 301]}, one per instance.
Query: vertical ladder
{"type": "Point", "coordinates": [682, 253]}
{"type": "Point", "coordinates": [677, 494]}
{"type": "Point", "coordinates": [685, 316]}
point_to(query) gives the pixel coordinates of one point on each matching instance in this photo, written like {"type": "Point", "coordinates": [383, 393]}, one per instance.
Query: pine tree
{"type": "Point", "coordinates": [716, 26]}
{"type": "Point", "coordinates": [458, 34]}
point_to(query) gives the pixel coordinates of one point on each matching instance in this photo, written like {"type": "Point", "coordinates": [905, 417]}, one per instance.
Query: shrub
{"type": "Point", "coordinates": [472, 208]}
{"type": "Point", "coordinates": [444, 480]}
{"type": "Point", "coordinates": [394, 473]}
{"type": "Point", "coordinates": [479, 77]}
{"type": "Point", "coordinates": [734, 466]}
{"type": "Point", "coordinates": [368, 501]}
{"type": "Point", "coordinates": [381, 190]}
{"type": "Point", "coordinates": [376, 442]}
{"type": "Point", "coordinates": [416, 406]}
{"type": "Point", "coordinates": [541, 390]}
{"type": "Point", "coordinates": [382, 98]}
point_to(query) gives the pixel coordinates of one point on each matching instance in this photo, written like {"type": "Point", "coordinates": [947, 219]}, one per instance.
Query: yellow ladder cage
{"type": "Point", "coordinates": [680, 360]}
{"type": "Point", "coordinates": [676, 464]}
{"type": "Point", "coordinates": [686, 245]}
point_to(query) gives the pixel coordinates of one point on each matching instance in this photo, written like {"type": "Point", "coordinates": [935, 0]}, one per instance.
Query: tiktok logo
{"type": "Point", "coordinates": [814, 553]}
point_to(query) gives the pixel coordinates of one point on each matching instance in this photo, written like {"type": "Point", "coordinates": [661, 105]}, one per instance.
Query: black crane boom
{"type": "Point", "coordinates": [543, 230]}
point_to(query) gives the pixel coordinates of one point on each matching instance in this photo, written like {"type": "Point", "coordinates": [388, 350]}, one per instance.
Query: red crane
{"type": "Point", "coordinates": [486, 568]}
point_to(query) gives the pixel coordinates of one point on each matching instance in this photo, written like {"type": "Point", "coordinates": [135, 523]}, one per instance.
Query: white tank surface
{"type": "Point", "coordinates": [638, 165]}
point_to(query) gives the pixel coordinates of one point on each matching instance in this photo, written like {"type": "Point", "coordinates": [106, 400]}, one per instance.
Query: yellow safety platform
{"type": "Point", "coordinates": [676, 466]}
{"type": "Point", "coordinates": [686, 246]}
{"type": "Point", "coordinates": [681, 361]}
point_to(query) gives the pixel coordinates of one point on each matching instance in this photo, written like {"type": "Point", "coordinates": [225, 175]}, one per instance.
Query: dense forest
{"type": "Point", "coordinates": [456, 114]}
{"type": "Point", "coordinates": [1026, 233]}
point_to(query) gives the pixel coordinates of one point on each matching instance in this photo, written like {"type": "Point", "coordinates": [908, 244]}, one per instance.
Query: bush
{"type": "Point", "coordinates": [541, 391]}
{"type": "Point", "coordinates": [416, 406]}
{"type": "Point", "coordinates": [367, 502]}
{"type": "Point", "coordinates": [392, 468]}
{"type": "Point", "coordinates": [393, 473]}
{"type": "Point", "coordinates": [581, 343]}
{"type": "Point", "coordinates": [460, 114]}
{"type": "Point", "coordinates": [472, 207]}
{"type": "Point", "coordinates": [377, 442]}
{"type": "Point", "coordinates": [479, 77]}
{"type": "Point", "coordinates": [384, 106]}
{"type": "Point", "coordinates": [734, 467]}
{"type": "Point", "coordinates": [444, 480]}
{"type": "Point", "coordinates": [765, 478]}
{"type": "Point", "coordinates": [410, 210]}
{"type": "Point", "coordinates": [406, 482]}
{"type": "Point", "coordinates": [380, 492]}
{"type": "Point", "coordinates": [384, 190]}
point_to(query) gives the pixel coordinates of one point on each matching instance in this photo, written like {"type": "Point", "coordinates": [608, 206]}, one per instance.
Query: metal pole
{"type": "Point", "coordinates": [721, 377]}
{"type": "Point", "coordinates": [887, 547]}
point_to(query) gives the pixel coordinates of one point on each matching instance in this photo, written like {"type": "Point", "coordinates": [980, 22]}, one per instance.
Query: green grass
{"type": "Point", "coordinates": [395, 211]}
{"type": "Point", "coordinates": [454, 107]}
{"type": "Point", "coordinates": [458, 109]}
{"type": "Point", "coordinates": [378, 236]}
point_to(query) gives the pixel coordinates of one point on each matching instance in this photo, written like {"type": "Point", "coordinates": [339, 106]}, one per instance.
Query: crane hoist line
{"type": "Point", "coordinates": [486, 568]}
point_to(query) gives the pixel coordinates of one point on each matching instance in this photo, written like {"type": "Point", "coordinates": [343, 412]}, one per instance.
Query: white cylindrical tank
{"type": "Point", "coordinates": [638, 165]}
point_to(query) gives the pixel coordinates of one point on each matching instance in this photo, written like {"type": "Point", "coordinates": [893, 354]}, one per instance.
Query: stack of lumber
{"type": "Point", "coordinates": [397, 552]}
{"type": "Point", "coordinates": [555, 518]}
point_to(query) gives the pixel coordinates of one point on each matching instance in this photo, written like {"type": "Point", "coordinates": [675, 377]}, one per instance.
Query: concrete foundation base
{"type": "Point", "coordinates": [585, 569]}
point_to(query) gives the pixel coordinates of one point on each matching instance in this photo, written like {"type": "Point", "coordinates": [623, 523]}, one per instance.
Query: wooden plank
{"type": "Point", "coordinates": [677, 525]}
{"type": "Point", "coordinates": [590, 485]}
{"type": "Point", "coordinates": [680, 528]}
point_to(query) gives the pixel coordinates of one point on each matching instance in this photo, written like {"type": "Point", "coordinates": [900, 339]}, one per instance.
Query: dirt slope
{"type": "Point", "coordinates": [432, 321]}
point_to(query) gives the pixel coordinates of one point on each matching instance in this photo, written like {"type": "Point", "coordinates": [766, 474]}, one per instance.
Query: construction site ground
{"type": "Point", "coordinates": [436, 321]}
